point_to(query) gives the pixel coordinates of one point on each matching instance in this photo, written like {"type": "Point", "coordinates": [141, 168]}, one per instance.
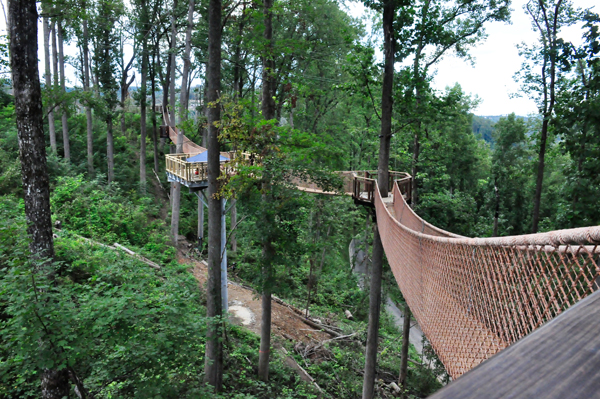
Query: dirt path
{"type": "Point", "coordinates": [245, 310]}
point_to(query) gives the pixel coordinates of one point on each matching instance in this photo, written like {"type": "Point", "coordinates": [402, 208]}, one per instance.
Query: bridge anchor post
{"type": "Point", "coordinates": [224, 293]}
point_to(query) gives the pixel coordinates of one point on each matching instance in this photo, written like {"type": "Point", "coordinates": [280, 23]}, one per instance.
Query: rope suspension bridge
{"type": "Point", "coordinates": [472, 297]}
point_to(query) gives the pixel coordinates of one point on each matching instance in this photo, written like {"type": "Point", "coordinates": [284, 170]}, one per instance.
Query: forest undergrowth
{"type": "Point", "coordinates": [126, 330]}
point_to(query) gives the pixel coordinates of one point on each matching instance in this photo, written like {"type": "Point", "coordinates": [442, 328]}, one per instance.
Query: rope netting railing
{"type": "Point", "coordinates": [473, 297]}
{"type": "Point", "coordinates": [359, 184]}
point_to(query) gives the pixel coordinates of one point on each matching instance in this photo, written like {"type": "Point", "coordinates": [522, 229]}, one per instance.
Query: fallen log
{"type": "Point", "coordinates": [293, 364]}
{"type": "Point", "coordinates": [137, 256]}
{"type": "Point", "coordinates": [307, 320]}
{"type": "Point", "coordinates": [127, 250]}
{"type": "Point", "coordinates": [116, 247]}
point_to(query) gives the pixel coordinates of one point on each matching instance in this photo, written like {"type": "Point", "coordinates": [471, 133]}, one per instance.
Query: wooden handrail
{"type": "Point", "coordinates": [177, 165]}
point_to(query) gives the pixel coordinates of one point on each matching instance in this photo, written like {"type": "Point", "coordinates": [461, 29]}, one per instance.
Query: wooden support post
{"type": "Point", "coordinates": [224, 294]}
{"type": "Point", "coordinates": [200, 224]}
{"type": "Point", "coordinates": [202, 201]}
{"type": "Point", "coordinates": [233, 225]}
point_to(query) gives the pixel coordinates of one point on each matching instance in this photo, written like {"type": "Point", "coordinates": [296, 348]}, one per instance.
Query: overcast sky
{"type": "Point", "coordinates": [490, 78]}
{"type": "Point", "coordinates": [496, 61]}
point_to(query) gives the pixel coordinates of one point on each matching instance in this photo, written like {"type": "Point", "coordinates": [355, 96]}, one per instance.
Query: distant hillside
{"type": "Point", "coordinates": [483, 126]}
{"type": "Point", "coordinates": [496, 118]}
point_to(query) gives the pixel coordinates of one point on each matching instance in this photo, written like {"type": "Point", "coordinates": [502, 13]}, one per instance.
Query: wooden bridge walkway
{"type": "Point", "coordinates": [474, 297]}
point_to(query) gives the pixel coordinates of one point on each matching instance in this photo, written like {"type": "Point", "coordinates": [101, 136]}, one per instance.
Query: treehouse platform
{"type": "Point", "coordinates": [191, 169]}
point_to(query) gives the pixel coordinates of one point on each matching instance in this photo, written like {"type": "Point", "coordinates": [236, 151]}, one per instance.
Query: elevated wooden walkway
{"type": "Point", "coordinates": [473, 297]}
{"type": "Point", "coordinates": [560, 360]}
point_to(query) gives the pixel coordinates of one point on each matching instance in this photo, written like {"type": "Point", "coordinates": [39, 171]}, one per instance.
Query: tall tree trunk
{"type": "Point", "coordinates": [383, 183]}
{"type": "Point", "coordinates": [165, 81]}
{"type": "Point", "coordinates": [265, 332]}
{"type": "Point", "coordinates": [418, 80]}
{"type": "Point", "coordinates": [184, 95]}
{"type": "Point", "coordinates": [497, 210]}
{"type": "Point", "coordinates": [143, 107]}
{"type": "Point", "coordinates": [540, 176]}
{"type": "Point", "coordinates": [61, 60]}
{"type": "Point", "coordinates": [374, 310]}
{"type": "Point", "coordinates": [176, 203]}
{"type": "Point", "coordinates": [233, 225]}
{"type": "Point", "coordinates": [175, 187]}
{"type": "Point", "coordinates": [268, 110]}
{"type": "Point", "coordinates": [550, 54]}
{"type": "Point", "coordinates": [200, 224]}
{"type": "Point", "coordinates": [173, 63]}
{"type": "Point", "coordinates": [86, 88]}
{"type": "Point", "coordinates": [48, 82]}
{"type": "Point", "coordinates": [214, 349]}
{"type": "Point", "coordinates": [309, 285]}
{"type": "Point", "coordinates": [205, 113]}
{"type": "Point", "coordinates": [175, 207]}
{"type": "Point", "coordinates": [125, 84]}
{"type": "Point", "coordinates": [386, 99]}
{"type": "Point", "coordinates": [55, 70]}
{"type": "Point", "coordinates": [237, 67]}
{"type": "Point", "coordinates": [405, 346]}
{"type": "Point", "coordinates": [22, 25]}
{"type": "Point", "coordinates": [143, 94]}
{"type": "Point", "coordinates": [415, 167]}
{"type": "Point", "coordinates": [154, 127]}
{"type": "Point", "coordinates": [110, 147]}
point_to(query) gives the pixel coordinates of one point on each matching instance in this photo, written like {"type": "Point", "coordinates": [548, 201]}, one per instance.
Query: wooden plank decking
{"type": "Point", "coordinates": [559, 360]}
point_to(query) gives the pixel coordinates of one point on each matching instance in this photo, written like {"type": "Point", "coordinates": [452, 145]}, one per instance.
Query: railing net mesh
{"type": "Point", "coordinates": [474, 297]}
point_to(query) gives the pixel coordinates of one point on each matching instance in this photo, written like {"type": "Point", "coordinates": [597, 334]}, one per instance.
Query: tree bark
{"type": "Point", "coordinates": [125, 84]}
{"type": "Point", "coordinates": [143, 107]}
{"type": "Point", "coordinates": [309, 285]}
{"type": "Point", "coordinates": [265, 334]}
{"type": "Point", "coordinates": [418, 83]}
{"type": "Point", "coordinates": [205, 112]}
{"type": "Point", "coordinates": [237, 67]}
{"type": "Point", "coordinates": [415, 168]}
{"type": "Point", "coordinates": [173, 63]}
{"type": "Point", "coordinates": [61, 60]}
{"type": "Point", "coordinates": [214, 350]}
{"type": "Point", "coordinates": [374, 310]}
{"type": "Point", "coordinates": [154, 127]}
{"type": "Point", "coordinates": [233, 225]}
{"type": "Point", "coordinates": [48, 82]}
{"type": "Point", "coordinates": [200, 223]}
{"type": "Point", "coordinates": [497, 210]}
{"type": "Point", "coordinates": [55, 70]}
{"type": "Point", "coordinates": [184, 95]}
{"type": "Point", "coordinates": [29, 114]}
{"type": "Point", "coordinates": [176, 203]}
{"type": "Point", "coordinates": [268, 110]}
{"type": "Point", "coordinates": [143, 94]}
{"type": "Point", "coordinates": [86, 88]}
{"type": "Point", "coordinates": [175, 187]}
{"type": "Point", "coordinates": [404, 354]}
{"type": "Point", "coordinates": [22, 26]}
{"type": "Point", "coordinates": [549, 86]}
{"type": "Point", "coordinates": [175, 207]}
{"type": "Point", "coordinates": [539, 182]}
{"type": "Point", "coordinates": [165, 81]}
{"type": "Point", "coordinates": [386, 99]}
{"type": "Point", "coordinates": [383, 183]}
{"type": "Point", "coordinates": [110, 148]}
